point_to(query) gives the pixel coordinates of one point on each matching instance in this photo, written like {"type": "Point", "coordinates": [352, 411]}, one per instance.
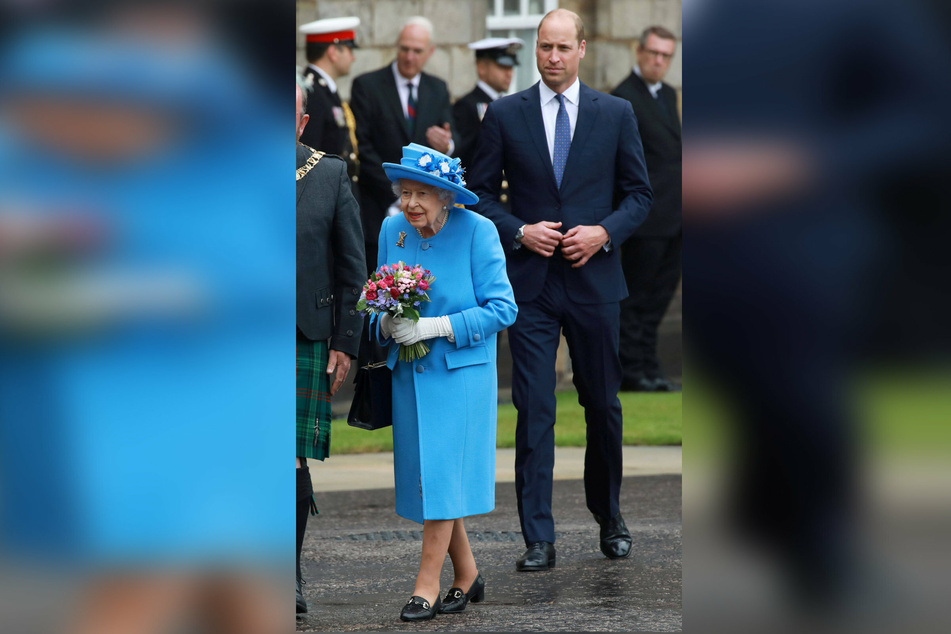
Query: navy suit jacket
{"type": "Point", "coordinates": [605, 157]}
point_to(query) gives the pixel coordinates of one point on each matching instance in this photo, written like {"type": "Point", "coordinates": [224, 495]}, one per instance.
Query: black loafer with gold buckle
{"type": "Point", "coordinates": [419, 609]}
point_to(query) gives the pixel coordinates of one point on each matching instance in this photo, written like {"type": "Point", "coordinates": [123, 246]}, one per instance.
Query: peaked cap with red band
{"type": "Point", "coordinates": [332, 31]}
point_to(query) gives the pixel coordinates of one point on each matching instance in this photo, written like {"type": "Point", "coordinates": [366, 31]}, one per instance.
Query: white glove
{"type": "Point", "coordinates": [406, 331]}
{"type": "Point", "coordinates": [387, 323]}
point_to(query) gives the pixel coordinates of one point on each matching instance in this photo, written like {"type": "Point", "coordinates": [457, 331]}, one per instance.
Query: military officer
{"type": "Point", "coordinates": [496, 59]}
{"type": "Point", "coordinates": [332, 129]}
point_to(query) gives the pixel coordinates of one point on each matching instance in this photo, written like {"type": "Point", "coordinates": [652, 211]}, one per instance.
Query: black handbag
{"type": "Point", "coordinates": [372, 405]}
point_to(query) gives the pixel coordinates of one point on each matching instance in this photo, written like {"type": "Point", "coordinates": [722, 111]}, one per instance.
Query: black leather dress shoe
{"type": "Point", "coordinates": [539, 556]}
{"type": "Point", "coordinates": [456, 600]}
{"type": "Point", "coordinates": [640, 384]}
{"type": "Point", "coordinates": [615, 538]}
{"type": "Point", "coordinates": [662, 384]}
{"type": "Point", "coordinates": [419, 609]}
{"type": "Point", "coordinates": [301, 604]}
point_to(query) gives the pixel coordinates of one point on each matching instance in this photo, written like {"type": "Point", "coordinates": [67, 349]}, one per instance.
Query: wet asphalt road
{"type": "Point", "coordinates": [360, 560]}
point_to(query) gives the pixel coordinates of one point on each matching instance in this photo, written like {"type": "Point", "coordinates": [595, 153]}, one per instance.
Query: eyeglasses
{"type": "Point", "coordinates": [652, 53]}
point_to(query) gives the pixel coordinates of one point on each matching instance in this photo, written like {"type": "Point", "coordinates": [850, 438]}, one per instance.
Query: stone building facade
{"type": "Point", "coordinates": [611, 29]}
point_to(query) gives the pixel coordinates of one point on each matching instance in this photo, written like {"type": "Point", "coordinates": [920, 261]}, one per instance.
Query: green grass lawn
{"type": "Point", "coordinates": [649, 419]}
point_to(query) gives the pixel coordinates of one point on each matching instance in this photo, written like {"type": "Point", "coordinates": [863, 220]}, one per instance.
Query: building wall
{"type": "Point", "coordinates": [611, 29]}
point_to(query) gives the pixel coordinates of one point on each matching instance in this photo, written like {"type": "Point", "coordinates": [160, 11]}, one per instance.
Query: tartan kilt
{"type": "Point", "coordinates": [313, 399]}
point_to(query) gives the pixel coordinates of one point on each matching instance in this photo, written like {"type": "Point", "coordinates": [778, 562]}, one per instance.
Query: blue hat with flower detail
{"type": "Point", "coordinates": [426, 165]}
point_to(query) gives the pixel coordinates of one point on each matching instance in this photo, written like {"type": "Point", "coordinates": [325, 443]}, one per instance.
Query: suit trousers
{"type": "Point", "coordinates": [652, 269]}
{"type": "Point", "coordinates": [591, 331]}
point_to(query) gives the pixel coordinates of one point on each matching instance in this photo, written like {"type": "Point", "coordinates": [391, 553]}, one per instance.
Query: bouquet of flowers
{"type": "Point", "coordinates": [398, 289]}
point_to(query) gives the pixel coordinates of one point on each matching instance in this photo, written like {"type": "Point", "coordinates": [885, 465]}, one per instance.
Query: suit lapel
{"type": "Point", "coordinates": [535, 124]}
{"type": "Point", "coordinates": [672, 120]}
{"type": "Point", "coordinates": [425, 113]}
{"type": "Point", "coordinates": [588, 109]}
{"type": "Point", "coordinates": [657, 109]}
{"type": "Point", "coordinates": [391, 97]}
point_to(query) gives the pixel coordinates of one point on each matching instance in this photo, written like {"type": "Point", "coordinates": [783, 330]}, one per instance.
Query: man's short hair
{"type": "Point", "coordinates": [659, 31]}
{"type": "Point", "coordinates": [316, 50]}
{"type": "Point", "coordinates": [579, 25]}
{"type": "Point", "coordinates": [418, 20]}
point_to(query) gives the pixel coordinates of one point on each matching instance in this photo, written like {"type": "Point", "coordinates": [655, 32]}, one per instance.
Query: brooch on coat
{"type": "Point", "coordinates": [399, 242]}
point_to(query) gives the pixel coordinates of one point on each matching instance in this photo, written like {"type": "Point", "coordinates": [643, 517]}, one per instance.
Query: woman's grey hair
{"type": "Point", "coordinates": [446, 195]}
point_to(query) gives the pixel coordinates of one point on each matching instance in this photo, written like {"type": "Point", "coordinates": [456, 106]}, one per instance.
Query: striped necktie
{"type": "Point", "coordinates": [410, 110]}
{"type": "Point", "coordinates": [562, 140]}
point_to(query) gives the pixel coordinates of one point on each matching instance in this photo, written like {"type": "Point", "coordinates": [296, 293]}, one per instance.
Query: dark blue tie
{"type": "Point", "coordinates": [562, 140]}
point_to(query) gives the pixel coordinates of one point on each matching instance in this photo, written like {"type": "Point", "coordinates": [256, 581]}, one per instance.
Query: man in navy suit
{"type": "Point", "coordinates": [565, 150]}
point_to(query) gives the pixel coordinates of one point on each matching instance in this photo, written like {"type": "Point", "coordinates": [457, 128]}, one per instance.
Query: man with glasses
{"type": "Point", "coordinates": [651, 257]}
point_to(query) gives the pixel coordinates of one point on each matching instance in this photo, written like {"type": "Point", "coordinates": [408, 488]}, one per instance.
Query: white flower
{"type": "Point", "coordinates": [444, 167]}
{"type": "Point", "coordinates": [424, 160]}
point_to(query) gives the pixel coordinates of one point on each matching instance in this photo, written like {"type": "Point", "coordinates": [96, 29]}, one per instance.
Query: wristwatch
{"type": "Point", "coordinates": [520, 234]}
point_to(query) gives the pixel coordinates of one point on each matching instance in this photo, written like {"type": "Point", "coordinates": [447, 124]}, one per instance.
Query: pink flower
{"type": "Point", "coordinates": [372, 286]}
{"type": "Point", "coordinates": [389, 280]}
{"type": "Point", "coordinates": [423, 285]}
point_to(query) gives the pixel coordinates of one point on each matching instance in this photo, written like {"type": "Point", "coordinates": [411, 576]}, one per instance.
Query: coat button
{"type": "Point", "coordinates": [419, 369]}
{"type": "Point", "coordinates": [352, 312]}
{"type": "Point", "coordinates": [505, 184]}
{"type": "Point", "coordinates": [477, 336]}
{"type": "Point", "coordinates": [504, 198]}
{"type": "Point", "coordinates": [355, 291]}
{"type": "Point", "coordinates": [425, 246]}
{"type": "Point", "coordinates": [349, 333]}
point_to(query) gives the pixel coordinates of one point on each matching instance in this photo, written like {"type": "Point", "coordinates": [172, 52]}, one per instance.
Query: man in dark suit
{"type": "Point", "coordinates": [394, 106]}
{"type": "Point", "coordinates": [331, 127]}
{"type": "Point", "coordinates": [651, 257]}
{"type": "Point", "coordinates": [330, 273]}
{"type": "Point", "coordinates": [565, 149]}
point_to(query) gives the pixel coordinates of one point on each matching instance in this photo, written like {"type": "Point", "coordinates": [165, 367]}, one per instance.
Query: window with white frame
{"type": "Point", "coordinates": [519, 18]}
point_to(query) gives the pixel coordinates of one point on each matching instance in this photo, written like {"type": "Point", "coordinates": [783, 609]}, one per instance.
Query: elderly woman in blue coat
{"type": "Point", "coordinates": [444, 403]}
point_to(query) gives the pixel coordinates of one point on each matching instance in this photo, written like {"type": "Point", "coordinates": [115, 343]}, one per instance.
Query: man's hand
{"type": "Point", "coordinates": [339, 362]}
{"type": "Point", "coordinates": [439, 137]}
{"type": "Point", "coordinates": [542, 237]}
{"type": "Point", "coordinates": [583, 241]}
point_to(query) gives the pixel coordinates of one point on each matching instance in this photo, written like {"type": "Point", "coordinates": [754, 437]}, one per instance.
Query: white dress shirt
{"type": "Point", "coordinates": [654, 88]}
{"type": "Point", "coordinates": [489, 90]}
{"type": "Point", "coordinates": [550, 110]}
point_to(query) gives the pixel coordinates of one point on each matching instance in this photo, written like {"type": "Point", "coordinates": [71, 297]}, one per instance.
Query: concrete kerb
{"type": "Point", "coordinates": [375, 470]}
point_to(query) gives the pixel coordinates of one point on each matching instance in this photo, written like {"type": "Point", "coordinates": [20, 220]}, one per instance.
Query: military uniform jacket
{"type": "Point", "coordinates": [327, 129]}
{"type": "Point", "coordinates": [331, 267]}
{"type": "Point", "coordinates": [468, 112]}
{"type": "Point", "coordinates": [660, 132]}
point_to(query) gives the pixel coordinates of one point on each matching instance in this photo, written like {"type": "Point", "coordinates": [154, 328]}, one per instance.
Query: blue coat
{"type": "Point", "coordinates": [444, 404]}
